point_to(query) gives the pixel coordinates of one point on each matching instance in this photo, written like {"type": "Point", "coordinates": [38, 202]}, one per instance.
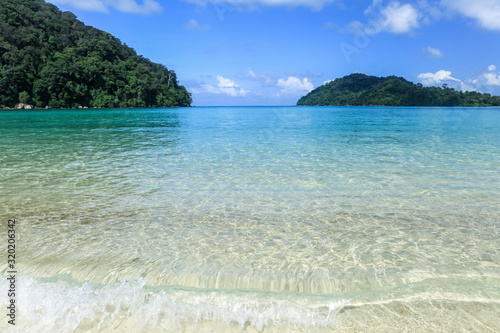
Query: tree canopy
{"type": "Point", "coordinates": [48, 58]}
{"type": "Point", "coordinates": [360, 89]}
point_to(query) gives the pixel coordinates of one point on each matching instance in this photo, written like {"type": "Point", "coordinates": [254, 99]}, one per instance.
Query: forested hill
{"type": "Point", "coordinates": [360, 89]}
{"type": "Point", "coordinates": [48, 58]}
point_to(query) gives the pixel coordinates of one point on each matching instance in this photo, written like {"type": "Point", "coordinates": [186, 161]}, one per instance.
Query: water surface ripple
{"type": "Point", "coordinates": [254, 219]}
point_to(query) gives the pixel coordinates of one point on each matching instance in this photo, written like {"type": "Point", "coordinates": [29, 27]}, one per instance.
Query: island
{"type": "Point", "coordinates": [49, 59]}
{"type": "Point", "coordinates": [366, 90]}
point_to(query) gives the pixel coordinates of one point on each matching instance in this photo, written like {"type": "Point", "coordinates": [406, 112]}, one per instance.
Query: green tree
{"type": "Point", "coordinates": [360, 89]}
{"type": "Point", "coordinates": [59, 62]}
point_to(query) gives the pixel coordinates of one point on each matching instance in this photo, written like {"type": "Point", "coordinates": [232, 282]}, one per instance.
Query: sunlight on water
{"type": "Point", "coordinates": [258, 219]}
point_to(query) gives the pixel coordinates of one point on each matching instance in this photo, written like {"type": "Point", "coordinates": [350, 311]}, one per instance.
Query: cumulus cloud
{"type": "Point", "coordinates": [224, 87]}
{"type": "Point", "coordinates": [492, 79]}
{"type": "Point", "coordinates": [314, 4]}
{"type": "Point", "coordinates": [470, 86]}
{"type": "Point", "coordinates": [444, 77]}
{"type": "Point", "coordinates": [294, 85]}
{"type": "Point", "coordinates": [193, 25]}
{"type": "Point", "coordinates": [432, 52]}
{"type": "Point", "coordinates": [486, 82]}
{"type": "Point", "coordinates": [431, 79]}
{"type": "Point", "coordinates": [396, 18]}
{"type": "Point", "coordinates": [485, 12]}
{"type": "Point", "coordinates": [103, 6]}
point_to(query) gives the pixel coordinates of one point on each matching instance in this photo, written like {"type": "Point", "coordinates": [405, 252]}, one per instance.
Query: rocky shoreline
{"type": "Point", "coordinates": [23, 106]}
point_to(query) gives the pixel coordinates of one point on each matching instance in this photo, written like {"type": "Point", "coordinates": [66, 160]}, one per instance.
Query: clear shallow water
{"type": "Point", "coordinates": [258, 219]}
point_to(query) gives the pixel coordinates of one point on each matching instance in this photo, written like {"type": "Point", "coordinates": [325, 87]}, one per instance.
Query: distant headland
{"type": "Point", "coordinates": [365, 90]}
{"type": "Point", "coordinates": [49, 59]}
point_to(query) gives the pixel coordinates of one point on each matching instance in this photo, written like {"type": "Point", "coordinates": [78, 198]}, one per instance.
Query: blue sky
{"type": "Point", "coordinates": [272, 52]}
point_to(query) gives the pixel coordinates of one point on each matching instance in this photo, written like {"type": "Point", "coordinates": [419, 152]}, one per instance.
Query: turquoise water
{"type": "Point", "coordinates": [256, 219]}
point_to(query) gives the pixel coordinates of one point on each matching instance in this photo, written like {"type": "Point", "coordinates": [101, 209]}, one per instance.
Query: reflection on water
{"type": "Point", "coordinates": [265, 218]}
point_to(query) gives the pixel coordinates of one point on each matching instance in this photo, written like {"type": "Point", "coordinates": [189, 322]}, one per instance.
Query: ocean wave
{"type": "Point", "coordinates": [132, 306]}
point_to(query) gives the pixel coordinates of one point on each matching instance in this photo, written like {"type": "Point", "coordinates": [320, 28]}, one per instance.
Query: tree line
{"type": "Point", "coordinates": [48, 58]}
{"type": "Point", "coordinates": [360, 89]}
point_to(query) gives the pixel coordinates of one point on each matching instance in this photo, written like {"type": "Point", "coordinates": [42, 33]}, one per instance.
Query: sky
{"type": "Point", "coordinates": [272, 52]}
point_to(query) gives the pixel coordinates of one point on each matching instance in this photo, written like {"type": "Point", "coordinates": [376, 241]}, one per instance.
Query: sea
{"type": "Point", "coordinates": [251, 219]}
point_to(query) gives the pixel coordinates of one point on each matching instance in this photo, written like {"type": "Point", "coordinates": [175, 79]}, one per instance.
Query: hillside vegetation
{"type": "Point", "coordinates": [360, 89]}
{"type": "Point", "coordinates": [48, 58]}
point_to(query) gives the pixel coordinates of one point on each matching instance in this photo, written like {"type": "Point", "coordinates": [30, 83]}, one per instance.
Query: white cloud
{"type": "Point", "coordinates": [314, 4]}
{"type": "Point", "coordinates": [193, 25]}
{"type": "Point", "coordinates": [468, 87]}
{"type": "Point", "coordinates": [485, 82]}
{"type": "Point", "coordinates": [492, 79]}
{"type": "Point", "coordinates": [224, 87]}
{"type": "Point", "coordinates": [485, 12]}
{"type": "Point", "coordinates": [294, 85]}
{"type": "Point", "coordinates": [399, 19]}
{"type": "Point", "coordinates": [432, 52]}
{"type": "Point", "coordinates": [444, 77]}
{"type": "Point", "coordinates": [396, 18]}
{"type": "Point", "coordinates": [431, 79]}
{"type": "Point", "coordinates": [488, 81]}
{"type": "Point", "coordinates": [127, 6]}
{"type": "Point", "coordinates": [327, 81]}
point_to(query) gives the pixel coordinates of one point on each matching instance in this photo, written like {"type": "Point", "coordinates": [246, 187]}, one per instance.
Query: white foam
{"type": "Point", "coordinates": [130, 306]}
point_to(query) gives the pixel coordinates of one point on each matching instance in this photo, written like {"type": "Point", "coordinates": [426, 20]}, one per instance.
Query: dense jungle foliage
{"type": "Point", "coordinates": [360, 89]}
{"type": "Point", "coordinates": [48, 58]}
